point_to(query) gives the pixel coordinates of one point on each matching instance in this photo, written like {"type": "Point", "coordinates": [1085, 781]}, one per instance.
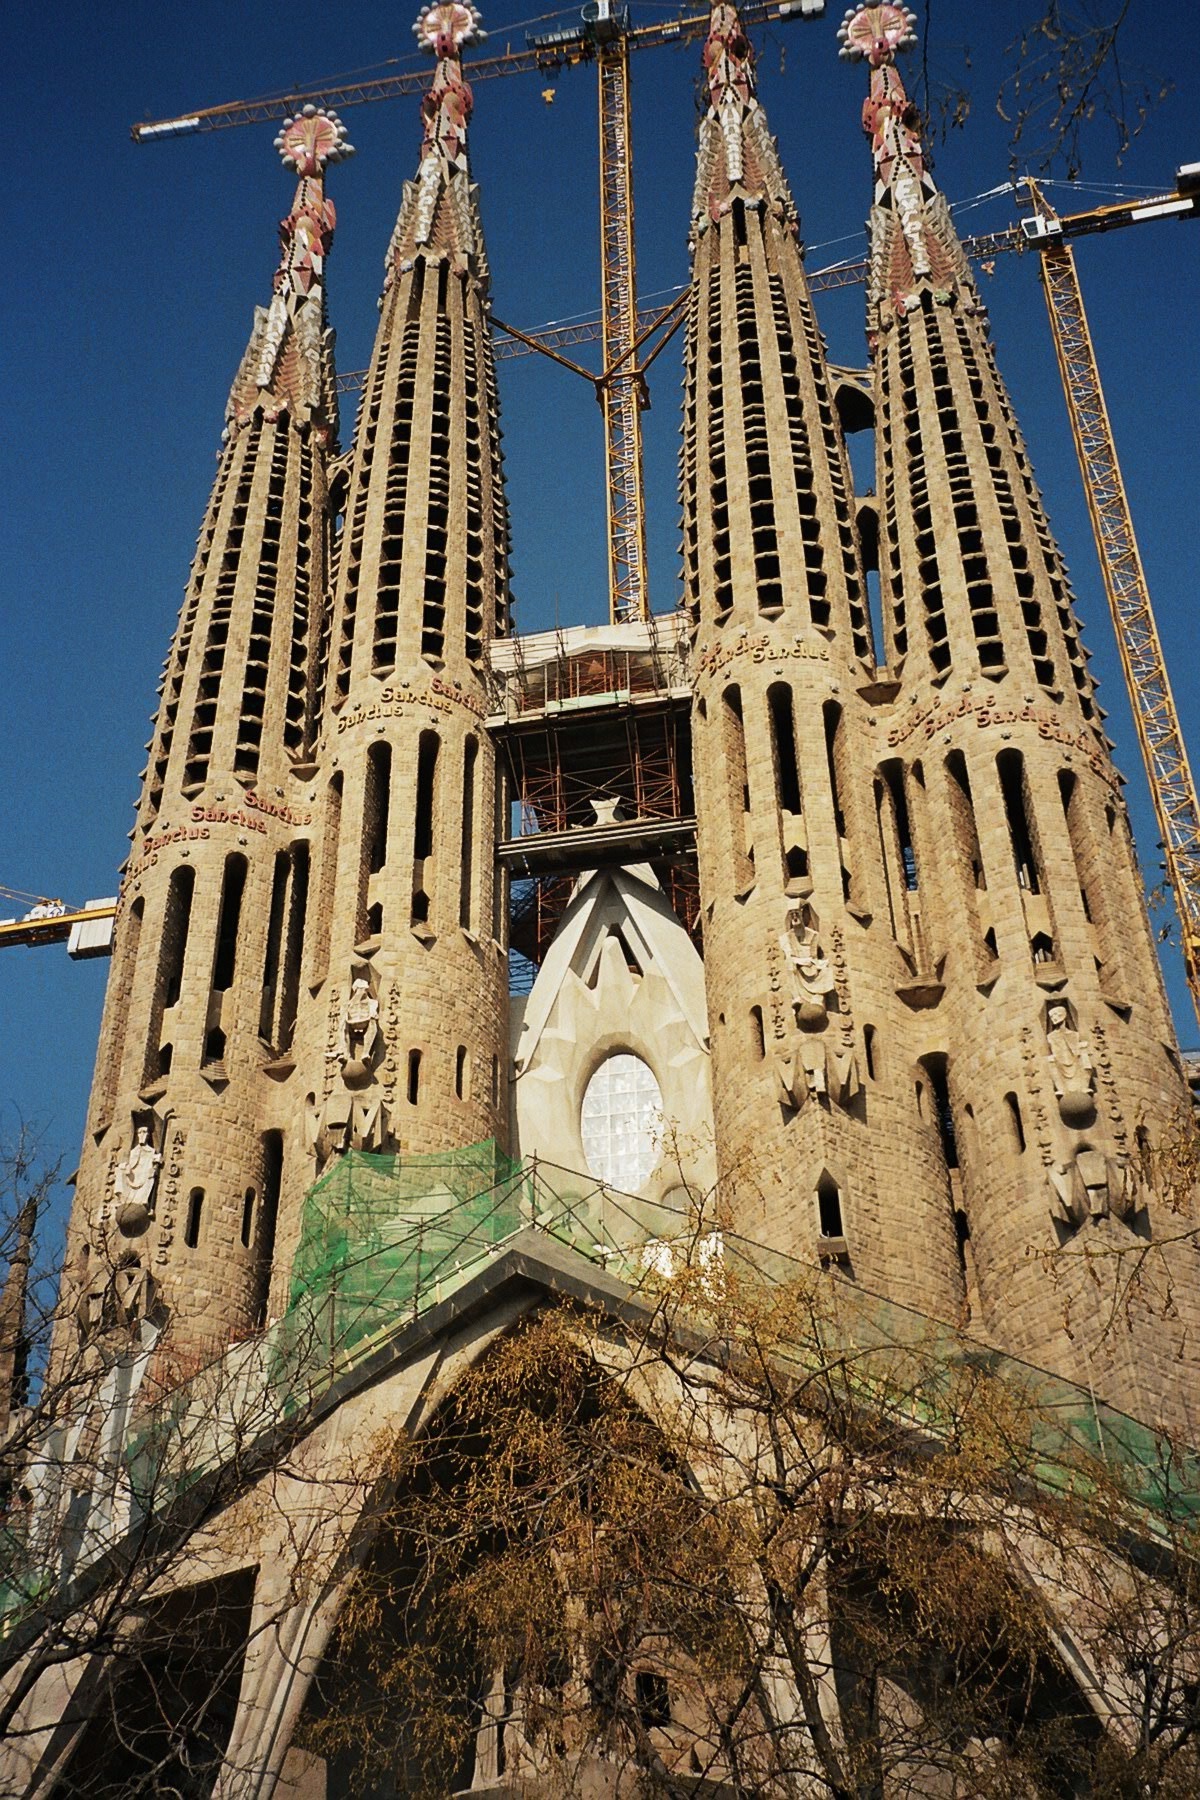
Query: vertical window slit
{"type": "Point", "coordinates": [738, 779]}
{"type": "Point", "coordinates": [264, 1236]}
{"type": "Point", "coordinates": [1011, 766]}
{"type": "Point", "coordinates": [423, 827]}
{"type": "Point", "coordinates": [467, 865]}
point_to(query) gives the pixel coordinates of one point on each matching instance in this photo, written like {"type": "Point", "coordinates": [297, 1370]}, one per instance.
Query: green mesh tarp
{"type": "Point", "coordinates": [382, 1237]}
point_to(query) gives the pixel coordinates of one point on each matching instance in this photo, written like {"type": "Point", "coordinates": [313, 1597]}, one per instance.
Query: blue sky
{"type": "Point", "coordinates": [131, 277]}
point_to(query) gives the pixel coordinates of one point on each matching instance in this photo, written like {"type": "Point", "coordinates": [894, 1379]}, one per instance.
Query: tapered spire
{"type": "Point", "coordinates": [738, 158]}
{"type": "Point", "coordinates": [438, 214]}
{"type": "Point", "coordinates": [288, 365]}
{"type": "Point", "coordinates": [913, 243]}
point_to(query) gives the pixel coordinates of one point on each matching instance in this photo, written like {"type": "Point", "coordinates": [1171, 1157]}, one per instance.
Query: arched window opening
{"type": "Point", "coordinates": [943, 1113]}
{"type": "Point", "coordinates": [829, 1208]}
{"type": "Point", "coordinates": [423, 826]}
{"type": "Point", "coordinates": [229, 923]}
{"type": "Point", "coordinates": [264, 1237]}
{"type": "Point", "coordinates": [377, 805]}
{"type": "Point", "coordinates": [169, 978]}
{"type": "Point", "coordinates": [893, 775]}
{"type": "Point", "coordinates": [962, 1242]}
{"type": "Point", "coordinates": [274, 946]}
{"type": "Point", "coordinates": [328, 876]}
{"type": "Point", "coordinates": [783, 744]}
{"type": "Point", "coordinates": [248, 1217]}
{"type": "Point", "coordinates": [757, 1040]}
{"type": "Point", "coordinates": [1011, 767]}
{"type": "Point", "coordinates": [738, 778]}
{"type": "Point", "coordinates": [414, 1077]}
{"type": "Point", "coordinates": [870, 1045]}
{"type": "Point", "coordinates": [460, 1072]}
{"type": "Point", "coordinates": [466, 904]}
{"type": "Point", "coordinates": [835, 752]}
{"type": "Point", "coordinates": [191, 1223]}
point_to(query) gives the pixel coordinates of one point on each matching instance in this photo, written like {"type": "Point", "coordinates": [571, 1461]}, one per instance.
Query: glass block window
{"type": "Point", "coordinates": [621, 1122]}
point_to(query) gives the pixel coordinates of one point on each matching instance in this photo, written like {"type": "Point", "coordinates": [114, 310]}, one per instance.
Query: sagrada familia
{"type": "Point", "coordinates": [861, 922]}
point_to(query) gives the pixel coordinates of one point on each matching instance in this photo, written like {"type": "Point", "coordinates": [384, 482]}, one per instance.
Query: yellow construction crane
{"type": "Point", "coordinates": [1164, 753]}
{"type": "Point", "coordinates": [86, 930]}
{"type": "Point", "coordinates": [605, 37]}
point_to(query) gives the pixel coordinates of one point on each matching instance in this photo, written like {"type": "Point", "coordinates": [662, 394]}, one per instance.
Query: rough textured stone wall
{"type": "Point", "coordinates": [1049, 1043]}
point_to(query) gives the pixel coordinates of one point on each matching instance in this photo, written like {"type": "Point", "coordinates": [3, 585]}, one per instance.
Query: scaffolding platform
{"type": "Point", "coordinates": [593, 725]}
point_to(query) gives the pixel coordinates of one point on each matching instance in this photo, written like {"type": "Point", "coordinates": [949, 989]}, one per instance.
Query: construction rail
{"type": "Point", "coordinates": [545, 54]}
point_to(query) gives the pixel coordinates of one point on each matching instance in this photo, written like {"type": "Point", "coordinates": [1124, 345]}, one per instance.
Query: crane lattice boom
{"type": "Point", "coordinates": [1172, 787]}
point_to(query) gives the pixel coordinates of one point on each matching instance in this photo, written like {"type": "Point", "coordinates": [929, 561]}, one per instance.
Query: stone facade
{"type": "Point", "coordinates": [926, 1046]}
{"type": "Point", "coordinates": [939, 1044]}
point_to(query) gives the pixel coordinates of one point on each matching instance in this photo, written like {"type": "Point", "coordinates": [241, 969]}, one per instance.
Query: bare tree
{"type": "Point", "coordinates": [1068, 80]}
{"type": "Point", "coordinates": [134, 1519]}
{"type": "Point", "coordinates": [737, 1542]}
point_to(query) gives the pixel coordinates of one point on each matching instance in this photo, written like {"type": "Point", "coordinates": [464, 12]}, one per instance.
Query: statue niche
{"type": "Point", "coordinates": [811, 1067]}
{"type": "Point", "coordinates": [1072, 1067]}
{"type": "Point", "coordinates": [135, 1179]}
{"type": "Point", "coordinates": [354, 1117]}
{"type": "Point", "coordinates": [1091, 1186]}
{"type": "Point", "coordinates": [360, 1037]}
{"type": "Point", "coordinates": [808, 967]}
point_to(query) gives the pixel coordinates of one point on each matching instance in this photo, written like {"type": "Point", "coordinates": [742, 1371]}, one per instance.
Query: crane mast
{"type": "Point", "coordinates": [622, 388]}
{"type": "Point", "coordinates": [1172, 787]}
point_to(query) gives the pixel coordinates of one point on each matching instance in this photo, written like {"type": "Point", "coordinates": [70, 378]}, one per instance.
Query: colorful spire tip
{"type": "Point", "coordinates": [876, 33]}
{"type": "Point", "coordinates": [312, 140]}
{"type": "Point", "coordinates": [446, 29]}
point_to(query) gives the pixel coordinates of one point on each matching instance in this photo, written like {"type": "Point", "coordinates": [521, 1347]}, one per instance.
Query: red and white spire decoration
{"type": "Point", "coordinates": [287, 364]}
{"type": "Point", "coordinates": [444, 31]}
{"type": "Point", "coordinates": [924, 252]}
{"type": "Point", "coordinates": [737, 157]}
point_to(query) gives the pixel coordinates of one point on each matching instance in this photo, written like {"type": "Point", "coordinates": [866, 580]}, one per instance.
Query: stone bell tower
{"type": "Point", "coordinates": [403, 1039]}
{"type": "Point", "coordinates": [178, 1180]}
{"type": "Point", "coordinates": [800, 975]}
{"type": "Point", "coordinates": [1047, 1049]}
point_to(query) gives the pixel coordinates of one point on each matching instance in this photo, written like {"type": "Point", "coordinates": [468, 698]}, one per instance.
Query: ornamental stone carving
{"type": "Point", "coordinates": [134, 1182]}
{"type": "Point", "coordinates": [1072, 1065]}
{"type": "Point", "coordinates": [811, 975]}
{"type": "Point", "coordinates": [1091, 1186]}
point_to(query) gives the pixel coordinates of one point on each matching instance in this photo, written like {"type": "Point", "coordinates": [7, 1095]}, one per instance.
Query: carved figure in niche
{"type": "Point", "coordinates": [811, 975]}
{"type": "Point", "coordinates": [1092, 1186]}
{"type": "Point", "coordinates": [1072, 1068]}
{"type": "Point", "coordinates": [116, 1300]}
{"type": "Point", "coordinates": [134, 1182]}
{"type": "Point", "coordinates": [845, 1082]}
{"type": "Point", "coordinates": [347, 1122]}
{"type": "Point", "coordinates": [360, 1032]}
{"type": "Point", "coordinates": [802, 1074]}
